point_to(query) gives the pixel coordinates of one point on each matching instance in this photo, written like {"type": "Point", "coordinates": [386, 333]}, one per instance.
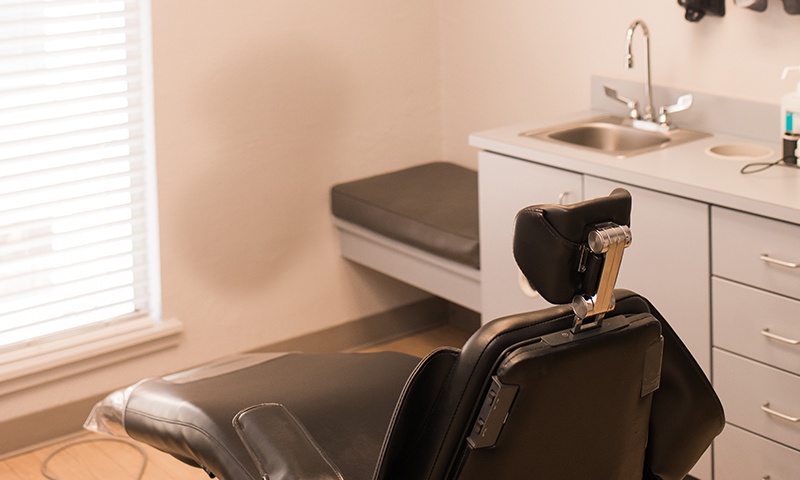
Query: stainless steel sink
{"type": "Point", "coordinates": [614, 136]}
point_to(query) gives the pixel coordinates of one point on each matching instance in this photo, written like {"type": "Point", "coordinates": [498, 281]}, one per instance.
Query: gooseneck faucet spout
{"type": "Point", "coordinates": [648, 109]}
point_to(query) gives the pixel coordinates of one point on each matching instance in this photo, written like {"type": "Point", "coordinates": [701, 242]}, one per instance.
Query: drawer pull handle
{"type": "Point", "coordinates": [562, 198]}
{"type": "Point", "coordinates": [771, 335]}
{"type": "Point", "coordinates": [775, 413]}
{"type": "Point", "coordinates": [766, 258]}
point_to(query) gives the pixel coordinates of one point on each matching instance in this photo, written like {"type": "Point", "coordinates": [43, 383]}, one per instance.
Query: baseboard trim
{"type": "Point", "coordinates": [367, 331]}
{"type": "Point", "coordinates": [36, 430]}
{"type": "Point", "coordinates": [30, 432]}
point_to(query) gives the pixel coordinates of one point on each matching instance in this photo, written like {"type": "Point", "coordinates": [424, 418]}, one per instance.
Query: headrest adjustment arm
{"type": "Point", "coordinates": [607, 241]}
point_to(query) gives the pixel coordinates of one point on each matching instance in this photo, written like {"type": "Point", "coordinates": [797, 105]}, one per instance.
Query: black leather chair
{"type": "Point", "coordinates": [599, 388]}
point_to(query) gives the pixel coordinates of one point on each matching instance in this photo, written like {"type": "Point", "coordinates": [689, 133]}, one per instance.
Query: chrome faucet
{"type": "Point", "coordinates": [648, 109]}
{"type": "Point", "coordinates": [633, 105]}
{"type": "Point", "coordinates": [646, 120]}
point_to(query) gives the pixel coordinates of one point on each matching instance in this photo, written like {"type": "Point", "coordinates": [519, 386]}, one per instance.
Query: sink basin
{"type": "Point", "coordinates": [614, 136]}
{"type": "Point", "coordinates": [609, 137]}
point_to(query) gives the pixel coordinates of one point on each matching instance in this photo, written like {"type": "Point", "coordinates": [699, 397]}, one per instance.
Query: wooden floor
{"type": "Point", "coordinates": [99, 459]}
{"type": "Point", "coordinates": [422, 343]}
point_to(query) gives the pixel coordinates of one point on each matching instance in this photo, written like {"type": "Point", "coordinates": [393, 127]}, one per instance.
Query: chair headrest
{"type": "Point", "coordinates": [551, 244]}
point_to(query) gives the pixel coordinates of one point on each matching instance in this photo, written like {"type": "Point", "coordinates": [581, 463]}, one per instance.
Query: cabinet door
{"type": "Point", "coordinates": [505, 186]}
{"type": "Point", "coordinates": [668, 261]}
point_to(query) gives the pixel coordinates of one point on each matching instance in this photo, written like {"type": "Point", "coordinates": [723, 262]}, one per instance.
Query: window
{"type": "Point", "coordinates": [77, 225]}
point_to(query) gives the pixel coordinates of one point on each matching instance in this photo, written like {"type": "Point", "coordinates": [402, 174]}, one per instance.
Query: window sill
{"type": "Point", "coordinates": [53, 361]}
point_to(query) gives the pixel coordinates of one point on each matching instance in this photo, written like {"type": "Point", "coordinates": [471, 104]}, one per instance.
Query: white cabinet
{"type": "Point", "coordinates": [758, 397]}
{"type": "Point", "coordinates": [751, 322]}
{"type": "Point", "coordinates": [505, 186]}
{"type": "Point", "coordinates": [668, 261]}
{"type": "Point", "coordinates": [684, 253]}
{"type": "Point", "coordinates": [741, 455]}
{"type": "Point", "coordinates": [757, 251]}
{"type": "Point", "coordinates": [756, 321]}
{"type": "Point", "coordinates": [727, 281]}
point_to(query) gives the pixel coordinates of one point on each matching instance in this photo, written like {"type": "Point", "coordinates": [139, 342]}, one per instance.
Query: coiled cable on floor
{"type": "Point", "coordinates": [57, 451]}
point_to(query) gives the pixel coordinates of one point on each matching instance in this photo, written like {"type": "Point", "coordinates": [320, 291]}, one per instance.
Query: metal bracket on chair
{"type": "Point", "coordinates": [493, 414]}
{"type": "Point", "coordinates": [608, 240]}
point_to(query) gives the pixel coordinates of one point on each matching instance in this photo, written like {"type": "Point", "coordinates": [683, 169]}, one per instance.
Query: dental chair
{"type": "Point", "coordinates": [596, 387]}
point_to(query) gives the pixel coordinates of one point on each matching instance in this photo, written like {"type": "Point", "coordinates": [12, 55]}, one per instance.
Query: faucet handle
{"type": "Point", "coordinates": [633, 105]}
{"type": "Point", "coordinates": [683, 103]}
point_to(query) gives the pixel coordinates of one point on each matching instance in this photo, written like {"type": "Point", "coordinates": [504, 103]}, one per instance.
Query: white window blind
{"type": "Point", "coordinates": [76, 191]}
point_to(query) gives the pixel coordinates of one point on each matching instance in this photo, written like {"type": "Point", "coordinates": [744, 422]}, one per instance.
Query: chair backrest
{"type": "Point", "coordinates": [565, 392]}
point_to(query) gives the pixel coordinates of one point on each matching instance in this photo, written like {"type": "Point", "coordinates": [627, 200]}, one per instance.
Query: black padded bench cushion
{"type": "Point", "coordinates": [433, 207]}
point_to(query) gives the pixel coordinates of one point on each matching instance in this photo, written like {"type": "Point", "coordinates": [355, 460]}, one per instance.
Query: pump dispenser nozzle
{"type": "Point", "coordinates": [786, 74]}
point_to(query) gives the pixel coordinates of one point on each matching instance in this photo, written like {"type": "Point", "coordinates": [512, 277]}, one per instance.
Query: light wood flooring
{"type": "Point", "coordinates": [104, 460]}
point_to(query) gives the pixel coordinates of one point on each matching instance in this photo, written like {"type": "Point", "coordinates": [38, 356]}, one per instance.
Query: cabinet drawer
{"type": "Point", "coordinates": [747, 387]}
{"type": "Point", "coordinates": [757, 324]}
{"type": "Point", "coordinates": [740, 455]}
{"type": "Point", "coordinates": [757, 251]}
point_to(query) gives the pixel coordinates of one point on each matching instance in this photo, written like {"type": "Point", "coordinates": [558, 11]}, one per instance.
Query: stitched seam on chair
{"type": "Point", "coordinates": [130, 393]}
{"type": "Point", "coordinates": [461, 396]}
{"type": "Point", "coordinates": [415, 378]}
{"type": "Point", "coordinates": [551, 230]}
{"type": "Point", "coordinates": [198, 429]}
{"type": "Point", "coordinates": [305, 433]}
{"type": "Point", "coordinates": [314, 444]}
{"type": "Point", "coordinates": [436, 400]}
{"type": "Point", "coordinates": [244, 439]}
{"type": "Point", "coordinates": [523, 351]}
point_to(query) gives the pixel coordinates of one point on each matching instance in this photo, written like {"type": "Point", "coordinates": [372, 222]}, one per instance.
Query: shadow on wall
{"type": "Point", "coordinates": [270, 125]}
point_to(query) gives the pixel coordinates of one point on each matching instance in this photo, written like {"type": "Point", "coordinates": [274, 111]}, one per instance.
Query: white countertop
{"type": "Point", "coordinates": [684, 170]}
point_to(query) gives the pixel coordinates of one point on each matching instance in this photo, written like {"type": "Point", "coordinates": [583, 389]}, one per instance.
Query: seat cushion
{"type": "Point", "coordinates": [344, 400]}
{"type": "Point", "coordinates": [433, 207]}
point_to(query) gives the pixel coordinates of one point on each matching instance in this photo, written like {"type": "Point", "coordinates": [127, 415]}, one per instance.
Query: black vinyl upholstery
{"type": "Point", "coordinates": [347, 416]}
{"type": "Point", "coordinates": [433, 207]}
{"type": "Point", "coordinates": [549, 243]}
{"type": "Point", "coordinates": [435, 451]}
{"type": "Point", "coordinates": [527, 396]}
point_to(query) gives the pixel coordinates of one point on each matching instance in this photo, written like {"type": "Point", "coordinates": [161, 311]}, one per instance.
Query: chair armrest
{"type": "Point", "coordinates": [280, 446]}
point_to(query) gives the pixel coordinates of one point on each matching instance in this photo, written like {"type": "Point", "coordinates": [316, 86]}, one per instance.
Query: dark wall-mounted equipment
{"type": "Point", "coordinates": [697, 9]}
{"type": "Point", "coordinates": [792, 7]}
{"type": "Point", "coordinates": [756, 5]}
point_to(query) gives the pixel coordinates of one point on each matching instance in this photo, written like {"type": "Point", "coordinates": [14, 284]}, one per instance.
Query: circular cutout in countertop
{"type": "Point", "coordinates": [740, 151]}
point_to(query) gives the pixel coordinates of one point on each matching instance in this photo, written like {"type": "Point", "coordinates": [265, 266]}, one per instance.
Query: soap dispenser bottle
{"type": "Point", "coordinates": [790, 106]}
{"type": "Point", "coordinates": [790, 119]}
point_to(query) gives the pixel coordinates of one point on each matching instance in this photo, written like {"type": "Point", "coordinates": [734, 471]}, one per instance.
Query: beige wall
{"type": "Point", "coordinates": [507, 61]}
{"type": "Point", "coordinates": [262, 105]}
